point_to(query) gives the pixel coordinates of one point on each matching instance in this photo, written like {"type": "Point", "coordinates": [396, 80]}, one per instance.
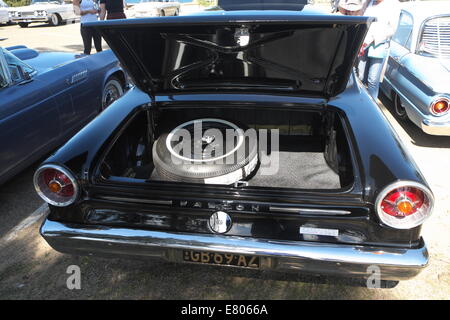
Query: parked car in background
{"type": "Point", "coordinates": [45, 98]}
{"type": "Point", "coordinates": [152, 8]}
{"type": "Point", "coordinates": [417, 77]}
{"type": "Point", "coordinates": [54, 12]}
{"type": "Point", "coordinates": [263, 4]}
{"type": "Point", "coordinates": [4, 13]}
{"type": "Point", "coordinates": [181, 167]}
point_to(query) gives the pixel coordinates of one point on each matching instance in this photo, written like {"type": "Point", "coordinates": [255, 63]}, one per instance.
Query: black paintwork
{"type": "Point", "coordinates": [378, 156]}
{"type": "Point", "coordinates": [288, 52]}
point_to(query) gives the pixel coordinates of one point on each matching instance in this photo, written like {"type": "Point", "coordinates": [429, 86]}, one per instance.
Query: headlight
{"type": "Point", "coordinates": [404, 204]}
{"type": "Point", "coordinates": [44, 13]}
{"type": "Point", "coordinates": [36, 13]}
{"type": "Point", "coordinates": [56, 185]}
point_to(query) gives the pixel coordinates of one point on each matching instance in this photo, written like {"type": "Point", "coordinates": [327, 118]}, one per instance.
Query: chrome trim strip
{"type": "Point", "coordinates": [149, 201]}
{"type": "Point", "coordinates": [324, 212]}
{"type": "Point", "coordinates": [326, 258]}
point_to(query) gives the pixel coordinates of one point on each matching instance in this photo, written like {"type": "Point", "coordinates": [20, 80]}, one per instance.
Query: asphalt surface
{"type": "Point", "coordinates": [30, 269]}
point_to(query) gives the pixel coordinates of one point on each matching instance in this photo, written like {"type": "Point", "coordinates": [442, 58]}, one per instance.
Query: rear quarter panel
{"type": "Point", "coordinates": [383, 158]}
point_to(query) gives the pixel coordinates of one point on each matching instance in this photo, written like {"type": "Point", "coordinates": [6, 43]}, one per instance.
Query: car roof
{"type": "Point", "coordinates": [424, 9]}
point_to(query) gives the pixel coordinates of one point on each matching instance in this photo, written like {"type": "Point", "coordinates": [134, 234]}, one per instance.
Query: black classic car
{"type": "Point", "coordinates": [291, 167]}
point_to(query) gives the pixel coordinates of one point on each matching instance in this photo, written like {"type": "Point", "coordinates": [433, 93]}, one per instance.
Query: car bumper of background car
{"type": "Point", "coordinates": [303, 257]}
{"type": "Point", "coordinates": [30, 19]}
{"type": "Point", "coordinates": [436, 128]}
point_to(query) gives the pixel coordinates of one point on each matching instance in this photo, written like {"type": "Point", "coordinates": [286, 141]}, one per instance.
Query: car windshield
{"type": "Point", "coordinates": [435, 38]}
{"type": "Point", "coordinates": [16, 67]}
{"type": "Point", "coordinates": [139, 1]}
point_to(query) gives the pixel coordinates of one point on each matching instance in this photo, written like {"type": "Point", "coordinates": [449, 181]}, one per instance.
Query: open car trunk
{"type": "Point", "coordinates": [313, 149]}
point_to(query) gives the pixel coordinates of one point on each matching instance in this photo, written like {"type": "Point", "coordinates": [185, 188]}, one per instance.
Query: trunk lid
{"type": "Point", "coordinates": [293, 52]}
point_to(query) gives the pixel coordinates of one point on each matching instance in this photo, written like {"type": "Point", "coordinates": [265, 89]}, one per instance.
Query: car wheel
{"type": "Point", "coordinates": [205, 151]}
{"type": "Point", "coordinates": [23, 24]}
{"type": "Point", "coordinates": [399, 109]}
{"type": "Point", "coordinates": [55, 19]}
{"type": "Point", "coordinates": [162, 14]}
{"type": "Point", "coordinates": [112, 91]}
{"type": "Point", "coordinates": [177, 12]}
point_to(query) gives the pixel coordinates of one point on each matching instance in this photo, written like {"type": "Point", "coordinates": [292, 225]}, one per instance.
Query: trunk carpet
{"type": "Point", "coordinates": [304, 170]}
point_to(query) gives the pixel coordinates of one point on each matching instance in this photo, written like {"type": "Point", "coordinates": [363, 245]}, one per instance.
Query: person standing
{"type": "Point", "coordinates": [351, 7]}
{"type": "Point", "coordinates": [88, 10]}
{"type": "Point", "coordinates": [112, 9]}
{"type": "Point", "coordinates": [375, 49]}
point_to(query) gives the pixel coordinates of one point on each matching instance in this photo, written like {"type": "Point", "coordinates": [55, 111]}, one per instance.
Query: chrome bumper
{"type": "Point", "coordinates": [436, 128]}
{"type": "Point", "coordinates": [30, 19]}
{"type": "Point", "coordinates": [297, 256]}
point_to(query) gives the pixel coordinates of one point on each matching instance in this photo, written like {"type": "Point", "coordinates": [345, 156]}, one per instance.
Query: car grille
{"type": "Point", "coordinates": [27, 14]}
{"type": "Point", "coordinates": [435, 38]}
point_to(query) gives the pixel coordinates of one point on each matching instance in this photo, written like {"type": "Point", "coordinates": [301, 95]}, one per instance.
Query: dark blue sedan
{"type": "Point", "coordinates": [45, 98]}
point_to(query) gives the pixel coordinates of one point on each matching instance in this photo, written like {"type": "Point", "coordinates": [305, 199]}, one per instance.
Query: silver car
{"type": "Point", "coordinates": [417, 77]}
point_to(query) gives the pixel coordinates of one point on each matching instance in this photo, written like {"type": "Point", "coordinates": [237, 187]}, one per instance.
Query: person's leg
{"type": "Point", "coordinates": [362, 68]}
{"type": "Point", "coordinates": [87, 39]}
{"type": "Point", "coordinates": [97, 40]}
{"type": "Point", "coordinates": [373, 76]}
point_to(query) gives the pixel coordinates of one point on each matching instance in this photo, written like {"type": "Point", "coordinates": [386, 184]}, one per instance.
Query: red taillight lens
{"type": "Point", "coordinates": [404, 205]}
{"type": "Point", "coordinates": [440, 107]}
{"type": "Point", "coordinates": [56, 185]}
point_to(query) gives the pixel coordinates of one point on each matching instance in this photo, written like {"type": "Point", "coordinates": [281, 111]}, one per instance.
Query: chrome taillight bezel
{"type": "Point", "coordinates": [387, 220]}
{"type": "Point", "coordinates": [436, 100]}
{"type": "Point", "coordinates": [67, 173]}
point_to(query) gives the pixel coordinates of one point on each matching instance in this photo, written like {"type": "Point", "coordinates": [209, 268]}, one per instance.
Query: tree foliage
{"type": "Point", "coordinates": [17, 3]}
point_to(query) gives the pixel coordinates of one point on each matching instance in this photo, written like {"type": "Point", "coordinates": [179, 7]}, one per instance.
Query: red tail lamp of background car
{"type": "Point", "coordinates": [56, 185]}
{"type": "Point", "coordinates": [404, 205]}
{"type": "Point", "coordinates": [440, 106]}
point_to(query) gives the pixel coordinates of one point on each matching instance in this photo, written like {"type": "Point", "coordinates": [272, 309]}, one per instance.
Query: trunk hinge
{"type": "Point", "coordinates": [150, 109]}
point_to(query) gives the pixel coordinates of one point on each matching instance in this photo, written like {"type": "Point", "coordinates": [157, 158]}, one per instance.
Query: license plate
{"type": "Point", "coordinates": [226, 259]}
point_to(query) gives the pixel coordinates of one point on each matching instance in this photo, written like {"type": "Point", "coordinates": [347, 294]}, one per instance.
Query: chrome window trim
{"type": "Point", "coordinates": [422, 26]}
{"type": "Point", "coordinates": [4, 68]}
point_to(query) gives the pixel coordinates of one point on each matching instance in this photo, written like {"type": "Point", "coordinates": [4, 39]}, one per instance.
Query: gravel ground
{"type": "Point", "coordinates": [30, 269]}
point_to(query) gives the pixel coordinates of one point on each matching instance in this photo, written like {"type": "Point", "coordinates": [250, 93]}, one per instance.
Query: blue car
{"type": "Point", "coordinates": [417, 77]}
{"type": "Point", "coordinates": [45, 98]}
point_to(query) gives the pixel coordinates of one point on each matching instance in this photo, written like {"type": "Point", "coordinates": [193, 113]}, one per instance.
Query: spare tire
{"type": "Point", "coordinates": [207, 151]}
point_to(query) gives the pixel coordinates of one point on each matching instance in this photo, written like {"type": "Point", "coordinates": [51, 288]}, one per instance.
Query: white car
{"type": "Point", "coordinates": [55, 12]}
{"type": "Point", "coordinates": [4, 15]}
{"type": "Point", "coordinates": [152, 8]}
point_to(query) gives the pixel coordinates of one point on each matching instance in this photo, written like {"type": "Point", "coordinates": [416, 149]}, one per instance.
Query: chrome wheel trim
{"type": "Point", "coordinates": [111, 92]}
{"type": "Point", "coordinates": [54, 19]}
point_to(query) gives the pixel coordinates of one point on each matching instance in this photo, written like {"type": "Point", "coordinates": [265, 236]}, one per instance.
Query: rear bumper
{"type": "Point", "coordinates": [436, 128]}
{"type": "Point", "coordinates": [304, 257]}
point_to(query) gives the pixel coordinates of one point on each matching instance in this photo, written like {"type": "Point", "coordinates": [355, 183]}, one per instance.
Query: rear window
{"type": "Point", "coordinates": [435, 38]}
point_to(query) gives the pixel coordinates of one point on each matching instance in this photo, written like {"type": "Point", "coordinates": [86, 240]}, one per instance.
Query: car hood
{"type": "Point", "coordinates": [244, 51]}
{"type": "Point", "coordinates": [34, 7]}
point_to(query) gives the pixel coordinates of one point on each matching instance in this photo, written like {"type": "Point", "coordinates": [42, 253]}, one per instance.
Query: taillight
{"type": "Point", "coordinates": [56, 185]}
{"type": "Point", "coordinates": [404, 204]}
{"type": "Point", "coordinates": [440, 106]}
